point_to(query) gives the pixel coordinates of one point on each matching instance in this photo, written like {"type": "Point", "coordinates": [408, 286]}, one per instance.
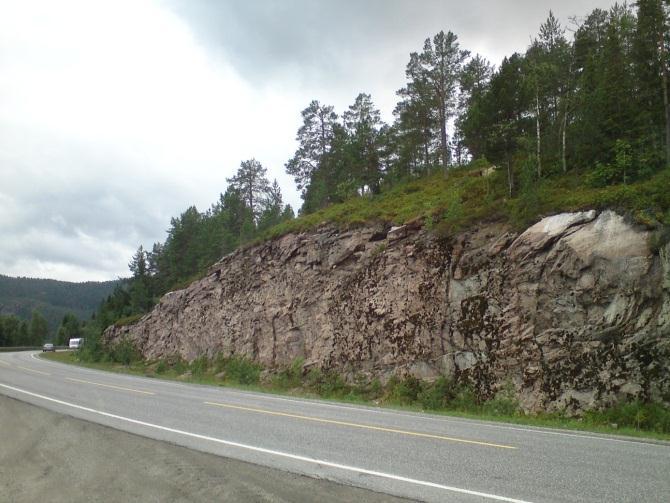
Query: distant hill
{"type": "Point", "coordinates": [20, 296]}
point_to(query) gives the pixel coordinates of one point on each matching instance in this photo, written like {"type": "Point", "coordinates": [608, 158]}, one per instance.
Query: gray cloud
{"type": "Point", "coordinates": [115, 116]}
{"type": "Point", "coordinates": [78, 210]}
{"type": "Point", "coordinates": [325, 41]}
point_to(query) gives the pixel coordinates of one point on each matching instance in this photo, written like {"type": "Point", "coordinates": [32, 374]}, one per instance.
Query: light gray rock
{"type": "Point", "coordinates": [575, 311]}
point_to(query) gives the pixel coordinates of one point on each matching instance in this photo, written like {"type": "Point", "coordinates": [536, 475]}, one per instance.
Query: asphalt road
{"type": "Point", "coordinates": [47, 456]}
{"type": "Point", "coordinates": [417, 456]}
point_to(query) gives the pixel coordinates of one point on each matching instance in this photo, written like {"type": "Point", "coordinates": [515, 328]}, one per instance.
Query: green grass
{"type": "Point", "coordinates": [409, 394]}
{"type": "Point", "coordinates": [447, 204]}
{"type": "Point", "coordinates": [128, 320]}
{"type": "Point", "coordinates": [453, 202]}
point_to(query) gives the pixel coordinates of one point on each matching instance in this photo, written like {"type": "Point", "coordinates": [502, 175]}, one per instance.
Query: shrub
{"type": "Point", "coordinates": [465, 398]}
{"type": "Point", "coordinates": [289, 377]}
{"type": "Point", "coordinates": [178, 364]}
{"type": "Point", "coordinates": [162, 367]}
{"type": "Point", "coordinates": [199, 366]}
{"type": "Point", "coordinates": [367, 390]}
{"type": "Point", "coordinates": [93, 349]}
{"type": "Point", "coordinates": [374, 390]}
{"type": "Point", "coordinates": [125, 352]}
{"type": "Point", "coordinates": [635, 414]}
{"type": "Point", "coordinates": [436, 395]}
{"type": "Point", "coordinates": [242, 370]}
{"type": "Point", "coordinates": [314, 378]}
{"type": "Point", "coordinates": [331, 384]}
{"type": "Point", "coordinates": [404, 391]}
{"type": "Point", "coordinates": [505, 402]}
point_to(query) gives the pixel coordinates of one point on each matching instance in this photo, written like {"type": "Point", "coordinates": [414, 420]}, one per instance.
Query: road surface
{"type": "Point", "coordinates": [47, 456]}
{"type": "Point", "coordinates": [411, 455]}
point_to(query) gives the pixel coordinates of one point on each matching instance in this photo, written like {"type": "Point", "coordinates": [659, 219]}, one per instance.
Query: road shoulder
{"type": "Point", "coordinates": [46, 456]}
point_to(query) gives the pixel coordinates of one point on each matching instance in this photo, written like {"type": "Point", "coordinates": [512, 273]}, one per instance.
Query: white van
{"type": "Point", "coordinates": [76, 343]}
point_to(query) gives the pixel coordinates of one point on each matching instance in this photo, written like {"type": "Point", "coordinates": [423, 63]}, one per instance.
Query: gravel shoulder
{"type": "Point", "coordinates": [45, 456]}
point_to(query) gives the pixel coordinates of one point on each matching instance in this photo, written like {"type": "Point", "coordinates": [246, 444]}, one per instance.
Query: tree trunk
{"type": "Point", "coordinates": [443, 141]}
{"type": "Point", "coordinates": [565, 125]}
{"type": "Point", "coordinates": [666, 105]}
{"type": "Point", "coordinates": [510, 181]}
{"type": "Point", "coordinates": [566, 100]}
{"type": "Point", "coordinates": [537, 130]}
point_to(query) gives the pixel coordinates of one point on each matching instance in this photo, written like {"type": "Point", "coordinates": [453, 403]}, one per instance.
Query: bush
{"type": "Point", "coordinates": [242, 370]}
{"type": "Point", "coordinates": [327, 384]}
{"type": "Point", "coordinates": [199, 366]}
{"type": "Point", "coordinates": [125, 352]}
{"type": "Point", "coordinates": [505, 402]}
{"type": "Point", "coordinates": [436, 395]}
{"type": "Point", "coordinates": [92, 351]}
{"type": "Point", "coordinates": [404, 391]}
{"type": "Point", "coordinates": [177, 364]}
{"type": "Point", "coordinates": [635, 414]}
{"type": "Point", "coordinates": [366, 390]}
{"type": "Point", "coordinates": [289, 377]}
{"type": "Point", "coordinates": [464, 399]}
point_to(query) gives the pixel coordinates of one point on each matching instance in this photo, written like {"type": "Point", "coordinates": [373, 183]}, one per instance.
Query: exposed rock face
{"type": "Point", "coordinates": [574, 312]}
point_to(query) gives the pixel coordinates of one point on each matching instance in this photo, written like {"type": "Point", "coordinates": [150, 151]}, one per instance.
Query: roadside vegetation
{"type": "Point", "coordinates": [441, 396]}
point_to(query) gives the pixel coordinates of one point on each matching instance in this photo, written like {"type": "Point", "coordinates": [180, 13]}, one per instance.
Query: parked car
{"type": "Point", "coordinates": [48, 347]}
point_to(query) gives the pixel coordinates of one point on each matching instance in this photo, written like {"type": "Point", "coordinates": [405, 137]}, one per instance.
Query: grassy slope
{"type": "Point", "coordinates": [450, 203]}
{"type": "Point", "coordinates": [597, 424]}
{"type": "Point", "coordinates": [462, 198]}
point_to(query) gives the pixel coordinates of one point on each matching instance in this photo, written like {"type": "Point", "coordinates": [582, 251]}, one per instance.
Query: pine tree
{"type": "Point", "coordinates": [272, 207]}
{"type": "Point", "coordinates": [433, 79]}
{"type": "Point", "coordinates": [138, 264]}
{"type": "Point", "coordinates": [651, 68]}
{"type": "Point", "coordinates": [413, 134]}
{"type": "Point", "coordinates": [506, 105]}
{"type": "Point", "coordinates": [475, 78]}
{"type": "Point", "coordinates": [362, 123]}
{"type": "Point", "coordinates": [314, 142]}
{"type": "Point", "coordinates": [252, 183]}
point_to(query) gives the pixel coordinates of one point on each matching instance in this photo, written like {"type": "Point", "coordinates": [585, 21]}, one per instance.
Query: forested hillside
{"type": "Point", "coordinates": [581, 119]}
{"type": "Point", "coordinates": [52, 299]}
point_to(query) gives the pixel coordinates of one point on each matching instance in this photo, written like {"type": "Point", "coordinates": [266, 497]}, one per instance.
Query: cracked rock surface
{"type": "Point", "coordinates": [574, 312]}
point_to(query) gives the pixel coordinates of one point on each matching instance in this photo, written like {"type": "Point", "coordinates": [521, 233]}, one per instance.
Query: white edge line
{"type": "Point", "coordinates": [273, 452]}
{"type": "Point", "coordinates": [442, 419]}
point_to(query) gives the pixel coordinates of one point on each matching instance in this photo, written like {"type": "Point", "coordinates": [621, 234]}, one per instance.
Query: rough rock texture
{"type": "Point", "coordinates": [574, 312]}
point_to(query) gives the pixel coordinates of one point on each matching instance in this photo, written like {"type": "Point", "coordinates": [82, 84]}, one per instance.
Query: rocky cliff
{"type": "Point", "coordinates": [574, 312]}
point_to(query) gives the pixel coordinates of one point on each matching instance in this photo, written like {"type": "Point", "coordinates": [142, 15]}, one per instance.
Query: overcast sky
{"type": "Point", "coordinates": [117, 115]}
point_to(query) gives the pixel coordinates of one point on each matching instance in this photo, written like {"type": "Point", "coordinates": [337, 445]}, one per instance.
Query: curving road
{"type": "Point", "coordinates": [417, 456]}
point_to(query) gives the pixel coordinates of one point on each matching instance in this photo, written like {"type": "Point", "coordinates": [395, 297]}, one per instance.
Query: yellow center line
{"type": "Point", "coordinates": [358, 425]}
{"type": "Point", "coordinates": [33, 370]}
{"type": "Point", "coordinates": [5, 363]}
{"type": "Point", "coordinates": [111, 386]}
